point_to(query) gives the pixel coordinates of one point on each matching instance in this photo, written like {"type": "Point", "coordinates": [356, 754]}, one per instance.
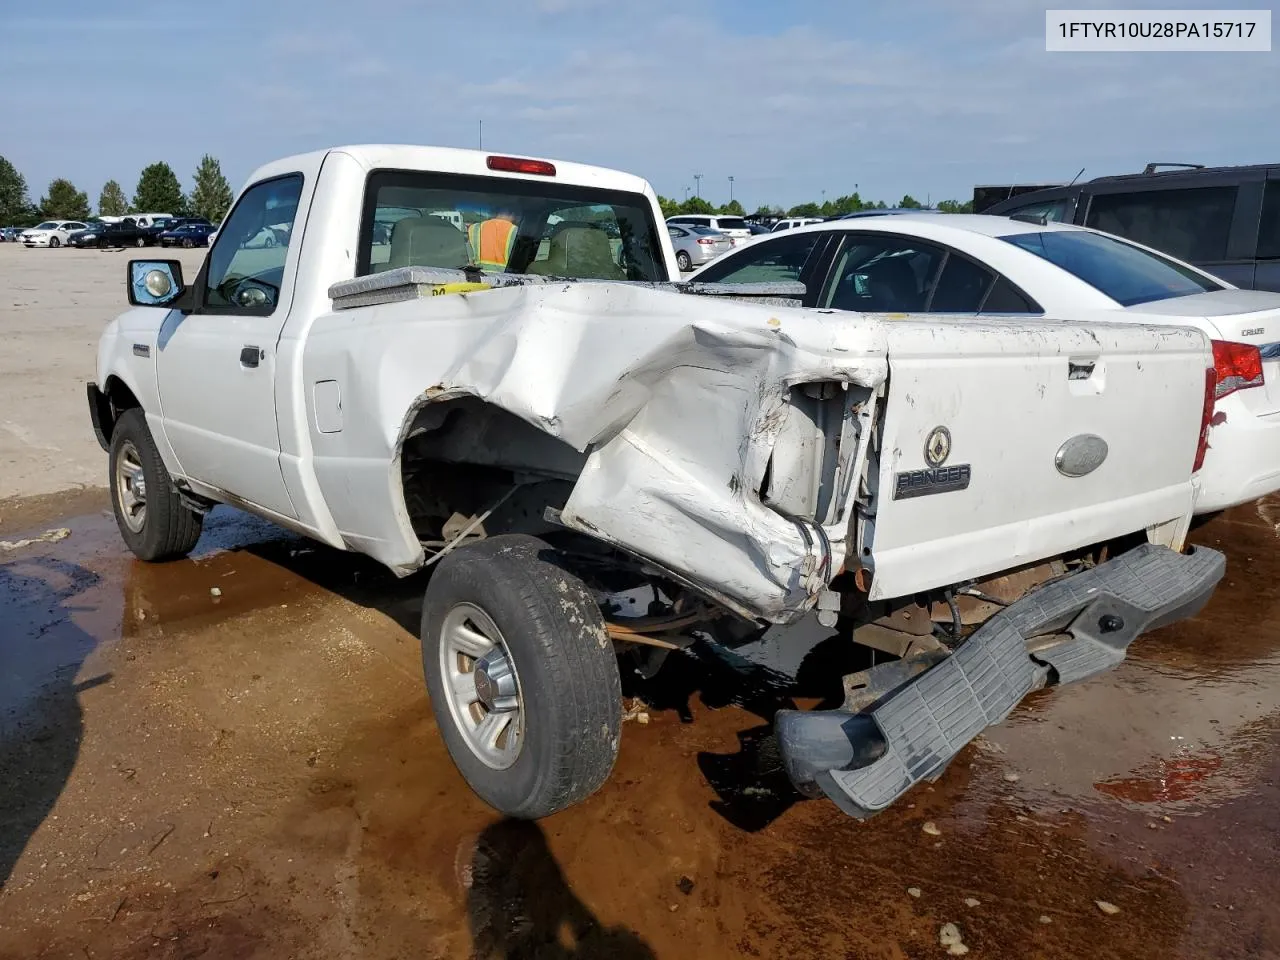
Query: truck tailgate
{"type": "Point", "coordinates": [992, 448]}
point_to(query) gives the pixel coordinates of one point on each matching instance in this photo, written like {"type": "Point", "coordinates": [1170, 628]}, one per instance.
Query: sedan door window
{"type": "Point", "coordinates": [884, 275]}
{"type": "Point", "coordinates": [766, 261]}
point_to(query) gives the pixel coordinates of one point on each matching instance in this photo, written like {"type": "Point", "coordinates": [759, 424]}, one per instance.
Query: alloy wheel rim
{"type": "Point", "coordinates": [131, 487]}
{"type": "Point", "coordinates": [481, 686]}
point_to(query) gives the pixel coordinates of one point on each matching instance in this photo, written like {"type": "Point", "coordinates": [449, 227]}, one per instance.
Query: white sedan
{"type": "Point", "coordinates": [998, 266]}
{"type": "Point", "coordinates": [51, 233]}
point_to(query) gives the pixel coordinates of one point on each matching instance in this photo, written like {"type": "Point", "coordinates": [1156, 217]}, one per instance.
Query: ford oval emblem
{"type": "Point", "coordinates": [1080, 455]}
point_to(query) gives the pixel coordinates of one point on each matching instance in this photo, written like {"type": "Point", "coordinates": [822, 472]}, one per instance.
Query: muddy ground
{"type": "Point", "coordinates": [257, 774]}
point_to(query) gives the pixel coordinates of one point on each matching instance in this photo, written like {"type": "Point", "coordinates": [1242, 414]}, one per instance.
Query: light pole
{"type": "Point", "coordinates": [686, 194]}
{"type": "Point", "coordinates": [697, 179]}
{"type": "Point", "coordinates": [731, 189]}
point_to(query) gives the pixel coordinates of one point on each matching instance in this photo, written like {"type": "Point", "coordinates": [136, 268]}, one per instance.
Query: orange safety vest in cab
{"type": "Point", "coordinates": [491, 242]}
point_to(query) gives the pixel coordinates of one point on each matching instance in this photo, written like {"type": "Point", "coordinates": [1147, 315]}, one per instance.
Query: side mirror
{"type": "Point", "coordinates": [154, 283]}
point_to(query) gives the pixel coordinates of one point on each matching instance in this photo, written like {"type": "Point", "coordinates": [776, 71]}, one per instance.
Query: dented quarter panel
{"type": "Point", "coordinates": [675, 398]}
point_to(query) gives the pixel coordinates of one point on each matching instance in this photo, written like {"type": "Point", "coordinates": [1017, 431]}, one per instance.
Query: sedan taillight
{"type": "Point", "coordinates": [1237, 366]}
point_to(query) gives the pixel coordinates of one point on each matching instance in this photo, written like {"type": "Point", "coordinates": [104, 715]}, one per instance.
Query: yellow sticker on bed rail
{"type": "Point", "coordinates": [439, 289]}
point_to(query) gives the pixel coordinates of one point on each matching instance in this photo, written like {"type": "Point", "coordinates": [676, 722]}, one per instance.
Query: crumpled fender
{"type": "Point", "coordinates": [677, 400]}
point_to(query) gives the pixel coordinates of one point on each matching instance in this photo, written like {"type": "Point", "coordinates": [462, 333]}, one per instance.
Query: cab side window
{"type": "Point", "coordinates": [246, 264]}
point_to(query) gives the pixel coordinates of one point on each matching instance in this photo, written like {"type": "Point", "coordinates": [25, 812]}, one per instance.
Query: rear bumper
{"type": "Point", "coordinates": [1243, 462]}
{"type": "Point", "coordinates": [864, 761]}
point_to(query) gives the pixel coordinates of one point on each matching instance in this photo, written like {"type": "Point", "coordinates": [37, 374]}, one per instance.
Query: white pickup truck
{"type": "Point", "coordinates": [596, 459]}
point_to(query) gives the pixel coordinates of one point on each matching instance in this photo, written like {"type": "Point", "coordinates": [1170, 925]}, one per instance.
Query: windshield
{"type": "Point", "coordinates": [731, 223]}
{"type": "Point", "coordinates": [706, 231]}
{"type": "Point", "coordinates": [1125, 273]}
{"type": "Point", "coordinates": [47, 225]}
{"type": "Point", "coordinates": [507, 225]}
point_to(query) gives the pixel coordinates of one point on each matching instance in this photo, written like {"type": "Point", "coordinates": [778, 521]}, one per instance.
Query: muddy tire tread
{"type": "Point", "coordinates": [578, 672]}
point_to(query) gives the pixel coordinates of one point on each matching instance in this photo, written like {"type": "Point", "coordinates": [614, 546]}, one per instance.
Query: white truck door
{"type": "Point", "coordinates": [216, 365]}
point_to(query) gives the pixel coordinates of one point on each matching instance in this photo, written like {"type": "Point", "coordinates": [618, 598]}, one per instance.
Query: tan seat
{"type": "Point", "coordinates": [427, 242]}
{"type": "Point", "coordinates": [580, 251]}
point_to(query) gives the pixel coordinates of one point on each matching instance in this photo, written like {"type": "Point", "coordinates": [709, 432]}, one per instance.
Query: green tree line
{"type": "Point", "coordinates": [158, 191]}
{"type": "Point", "coordinates": [851, 203]}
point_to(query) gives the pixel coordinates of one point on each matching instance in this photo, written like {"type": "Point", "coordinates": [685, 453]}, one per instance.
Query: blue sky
{"type": "Point", "coordinates": [920, 96]}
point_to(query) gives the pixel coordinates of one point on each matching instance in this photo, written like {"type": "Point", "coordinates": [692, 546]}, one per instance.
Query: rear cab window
{"type": "Point", "coordinates": [1121, 271]}
{"type": "Point", "coordinates": [506, 225]}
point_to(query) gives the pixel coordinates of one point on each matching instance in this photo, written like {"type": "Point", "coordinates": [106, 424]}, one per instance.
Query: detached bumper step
{"type": "Point", "coordinates": [916, 731]}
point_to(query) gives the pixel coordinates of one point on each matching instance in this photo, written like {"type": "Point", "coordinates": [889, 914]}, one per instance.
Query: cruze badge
{"type": "Point", "coordinates": [937, 478]}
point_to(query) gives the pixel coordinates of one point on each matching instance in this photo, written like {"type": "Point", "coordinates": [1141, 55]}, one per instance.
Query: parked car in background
{"type": "Point", "coordinates": [696, 245]}
{"type": "Point", "coordinates": [50, 233]}
{"type": "Point", "coordinates": [123, 233]}
{"type": "Point", "coordinates": [10, 234]}
{"type": "Point", "coordinates": [757, 228]}
{"type": "Point", "coordinates": [89, 236]}
{"type": "Point", "coordinates": [187, 235]}
{"type": "Point", "coordinates": [986, 266]}
{"type": "Point", "coordinates": [790, 223]}
{"type": "Point", "coordinates": [1225, 220]}
{"type": "Point", "coordinates": [735, 228]}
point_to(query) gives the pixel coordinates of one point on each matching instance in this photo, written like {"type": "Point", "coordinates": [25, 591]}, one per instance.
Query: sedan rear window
{"type": "Point", "coordinates": [1125, 273]}
{"type": "Point", "coordinates": [731, 223]}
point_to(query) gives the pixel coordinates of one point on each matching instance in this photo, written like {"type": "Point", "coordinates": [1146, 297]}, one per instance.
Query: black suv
{"type": "Point", "coordinates": [1225, 220]}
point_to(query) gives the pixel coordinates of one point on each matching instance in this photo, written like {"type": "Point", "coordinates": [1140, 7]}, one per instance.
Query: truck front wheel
{"type": "Point", "coordinates": [522, 676]}
{"type": "Point", "coordinates": [153, 520]}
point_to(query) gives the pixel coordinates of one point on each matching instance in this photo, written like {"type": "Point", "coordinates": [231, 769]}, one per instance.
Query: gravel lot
{"type": "Point", "coordinates": [53, 306]}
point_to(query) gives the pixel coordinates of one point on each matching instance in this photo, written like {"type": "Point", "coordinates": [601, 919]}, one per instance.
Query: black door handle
{"type": "Point", "coordinates": [249, 356]}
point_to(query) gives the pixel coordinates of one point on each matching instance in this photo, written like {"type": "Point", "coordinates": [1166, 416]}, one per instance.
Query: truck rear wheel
{"type": "Point", "coordinates": [522, 676]}
{"type": "Point", "coordinates": [154, 522]}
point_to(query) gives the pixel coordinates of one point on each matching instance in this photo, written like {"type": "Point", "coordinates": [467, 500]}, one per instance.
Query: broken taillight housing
{"type": "Point", "coordinates": [1237, 366]}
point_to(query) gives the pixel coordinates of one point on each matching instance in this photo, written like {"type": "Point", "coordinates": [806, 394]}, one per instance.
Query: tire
{"type": "Point", "coordinates": [683, 261]}
{"type": "Point", "coordinates": [141, 242]}
{"type": "Point", "coordinates": [167, 529]}
{"type": "Point", "coordinates": [54, 242]}
{"type": "Point", "coordinates": [568, 712]}
{"type": "Point", "coordinates": [187, 243]}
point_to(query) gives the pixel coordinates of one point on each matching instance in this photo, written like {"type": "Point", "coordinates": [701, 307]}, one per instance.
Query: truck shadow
{"type": "Point", "coordinates": [41, 722]}
{"type": "Point", "coordinates": [751, 784]}
{"type": "Point", "coordinates": [520, 906]}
